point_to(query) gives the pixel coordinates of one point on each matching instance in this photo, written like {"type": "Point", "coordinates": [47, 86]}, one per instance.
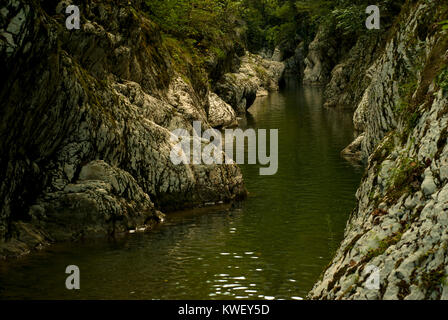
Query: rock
{"type": "Point", "coordinates": [295, 65]}
{"type": "Point", "coordinates": [444, 292]}
{"type": "Point", "coordinates": [428, 185]}
{"type": "Point", "coordinates": [322, 54]}
{"type": "Point", "coordinates": [94, 155]}
{"type": "Point", "coordinates": [416, 294]}
{"type": "Point", "coordinates": [104, 199]}
{"type": "Point", "coordinates": [410, 202]}
{"type": "Point", "coordinates": [277, 55]}
{"type": "Point", "coordinates": [348, 79]}
{"type": "Point", "coordinates": [391, 293]}
{"type": "Point", "coordinates": [399, 224]}
{"type": "Point", "coordinates": [220, 114]}
{"type": "Point", "coordinates": [444, 172]}
{"type": "Point", "coordinates": [353, 152]}
{"type": "Point", "coordinates": [255, 77]}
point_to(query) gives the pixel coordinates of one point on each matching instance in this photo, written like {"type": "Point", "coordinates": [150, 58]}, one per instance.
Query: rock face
{"type": "Point", "coordinates": [339, 61]}
{"type": "Point", "coordinates": [295, 65]}
{"type": "Point", "coordinates": [322, 57]}
{"type": "Point", "coordinates": [348, 78]}
{"type": "Point", "coordinates": [400, 226]}
{"type": "Point", "coordinates": [255, 77]}
{"type": "Point", "coordinates": [220, 113]}
{"type": "Point", "coordinates": [86, 121]}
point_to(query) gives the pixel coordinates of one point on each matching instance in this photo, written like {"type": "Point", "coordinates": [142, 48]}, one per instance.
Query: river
{"type": "Point", "coordinates": [274, 245]}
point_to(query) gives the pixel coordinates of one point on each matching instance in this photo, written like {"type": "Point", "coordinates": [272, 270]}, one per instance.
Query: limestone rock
{"type": "Point", "coordinates": [220, 113]}
{"type": "Point", "coordinates": [88, 149]}
{"type": "Point", "coordinates": [399, 224]}
{"type": "Point", "coordinates": [254, 77]}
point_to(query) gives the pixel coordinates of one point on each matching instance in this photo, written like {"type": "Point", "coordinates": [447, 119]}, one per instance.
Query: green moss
{"type": "Point", "coordinates": [383, 246]}
{"type": "Point", "coordinates": [434, 279]}
{"type": "Point", "coordinates": [92, 89]}
{"type": "Point", "coordinates": [405, 90]}
{"type": "Point", "coordinates": [134, 13]}
{"type": "Point", "coordinates": [262, 73]}
{"type": "Point", "coordinates": [384, 149]}
{"type": "Point", "coordinates": [443, 24]}
{"type": "Point", "coordinates": [352, 243]}
{"type": "Point", "coordinates": [410, 121]}
{"type": "Point", "coordinates": [442, 79]}
{"type": "Point", "coordinates": [405, 109]}
{"type": "Point", "coordinates": [403, 289]}
{"type": "Point", "coordinates": [405, 179]}
{"type": "Point", "coordinates": [220, 54]}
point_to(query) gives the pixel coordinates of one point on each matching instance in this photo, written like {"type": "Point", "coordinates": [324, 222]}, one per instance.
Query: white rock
{"type": "Point", "coordinates": [428, 185]}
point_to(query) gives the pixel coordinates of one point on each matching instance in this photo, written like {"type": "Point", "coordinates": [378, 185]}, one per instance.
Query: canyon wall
{"type": "Point", "coordinates": [86, 121]}
{"type": "Point", "coordinates": [399, 228]}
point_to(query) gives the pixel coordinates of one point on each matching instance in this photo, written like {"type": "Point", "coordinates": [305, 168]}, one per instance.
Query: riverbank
{"type": "Point", "coordinates": [87, 117]}
{"type": "Point", "coordinates": [273, 245]}
{"type": "Point", "coordinates": [397, 233]}
{"type": "Point", "coordinates": [94, 155]}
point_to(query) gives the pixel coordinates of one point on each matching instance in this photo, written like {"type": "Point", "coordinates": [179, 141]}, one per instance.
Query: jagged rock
{"type": "Point", "coordinates": [265, 53]}
{"type": "Point", "coordinates": [88, 150]}
{"type": "Point", "coordinates": [353, 151]}
{"type": "Point", "coordinates": [277, 55]}
{"type": "Point", "coordinates": [255, 77]}
{"type": "Point", "coordinates": [399, 225]}
{"type": "Point", "coordinates": [220, 114]}
{"type": "Point", "coordinates": [321, 58]}
{"type": "Point", "coordinates": [348, 78]}
{"type": "Point", "coordinates": [103, 200]}
{"type": "Point", "coordinates": [295, 65]}
{"type": "Point", "coordinates": [428, 185]}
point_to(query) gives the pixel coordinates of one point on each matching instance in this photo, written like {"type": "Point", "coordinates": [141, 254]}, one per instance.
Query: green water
{"type": "Point", "coordinates": [274, 245]}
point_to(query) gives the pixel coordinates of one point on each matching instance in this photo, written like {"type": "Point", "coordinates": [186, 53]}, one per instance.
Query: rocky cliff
{"type": "Point", "coordinates": [86, 121]}
{"type": "Point", "coordinates": [400, 225]}
{"type": "Point", "coordinates": [338, 59]}
{"type": "Point", "coordinates": [255, 77]}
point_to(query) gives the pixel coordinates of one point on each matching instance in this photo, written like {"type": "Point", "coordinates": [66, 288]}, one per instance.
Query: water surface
{"type": "Point", "coordinates": [272, 246]}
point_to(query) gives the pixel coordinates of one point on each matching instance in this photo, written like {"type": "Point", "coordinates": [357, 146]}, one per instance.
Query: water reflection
{"type": "Point", "coordinates": [272, 246]}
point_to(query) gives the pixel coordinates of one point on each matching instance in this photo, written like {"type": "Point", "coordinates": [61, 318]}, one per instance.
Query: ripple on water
{"type": "Point", "coordinates": [279, 240]}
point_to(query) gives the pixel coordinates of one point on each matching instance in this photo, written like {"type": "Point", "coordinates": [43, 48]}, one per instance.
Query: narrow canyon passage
{"type": "Point", "coordinates": [273, 245]}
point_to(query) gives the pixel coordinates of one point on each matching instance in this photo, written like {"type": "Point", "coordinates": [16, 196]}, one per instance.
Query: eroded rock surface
{"type": "Point", "coordinates": [322, 57]}
{"type": "Point", "coordinates": [400, 225]}
{"type": "Point", "coordinates": [255, 77]}
{"type": "Point", "coordinates": [86, 125]}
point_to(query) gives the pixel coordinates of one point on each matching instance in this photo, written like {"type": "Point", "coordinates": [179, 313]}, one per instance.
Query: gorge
{"type": "Point", "coordinates": [86, 117]}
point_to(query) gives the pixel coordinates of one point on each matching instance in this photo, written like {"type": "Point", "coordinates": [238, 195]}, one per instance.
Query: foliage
{"type": "Point", "coordinates": [196, 19]}
{"type": "Point", "coordinates": [444, 24]}
{"type": "Point", "coordinates": [267, 23]}
{"type": "Point", "coordinates": [202, 27]}
{"type": "Point", "coordinates": [406, 178]}
{"type": "Point", "coordinates": [272, 22]}
{"type": "Point", "coordinates": [442, 79]}
{"type": "Point", "coordinates": [348, 21]}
